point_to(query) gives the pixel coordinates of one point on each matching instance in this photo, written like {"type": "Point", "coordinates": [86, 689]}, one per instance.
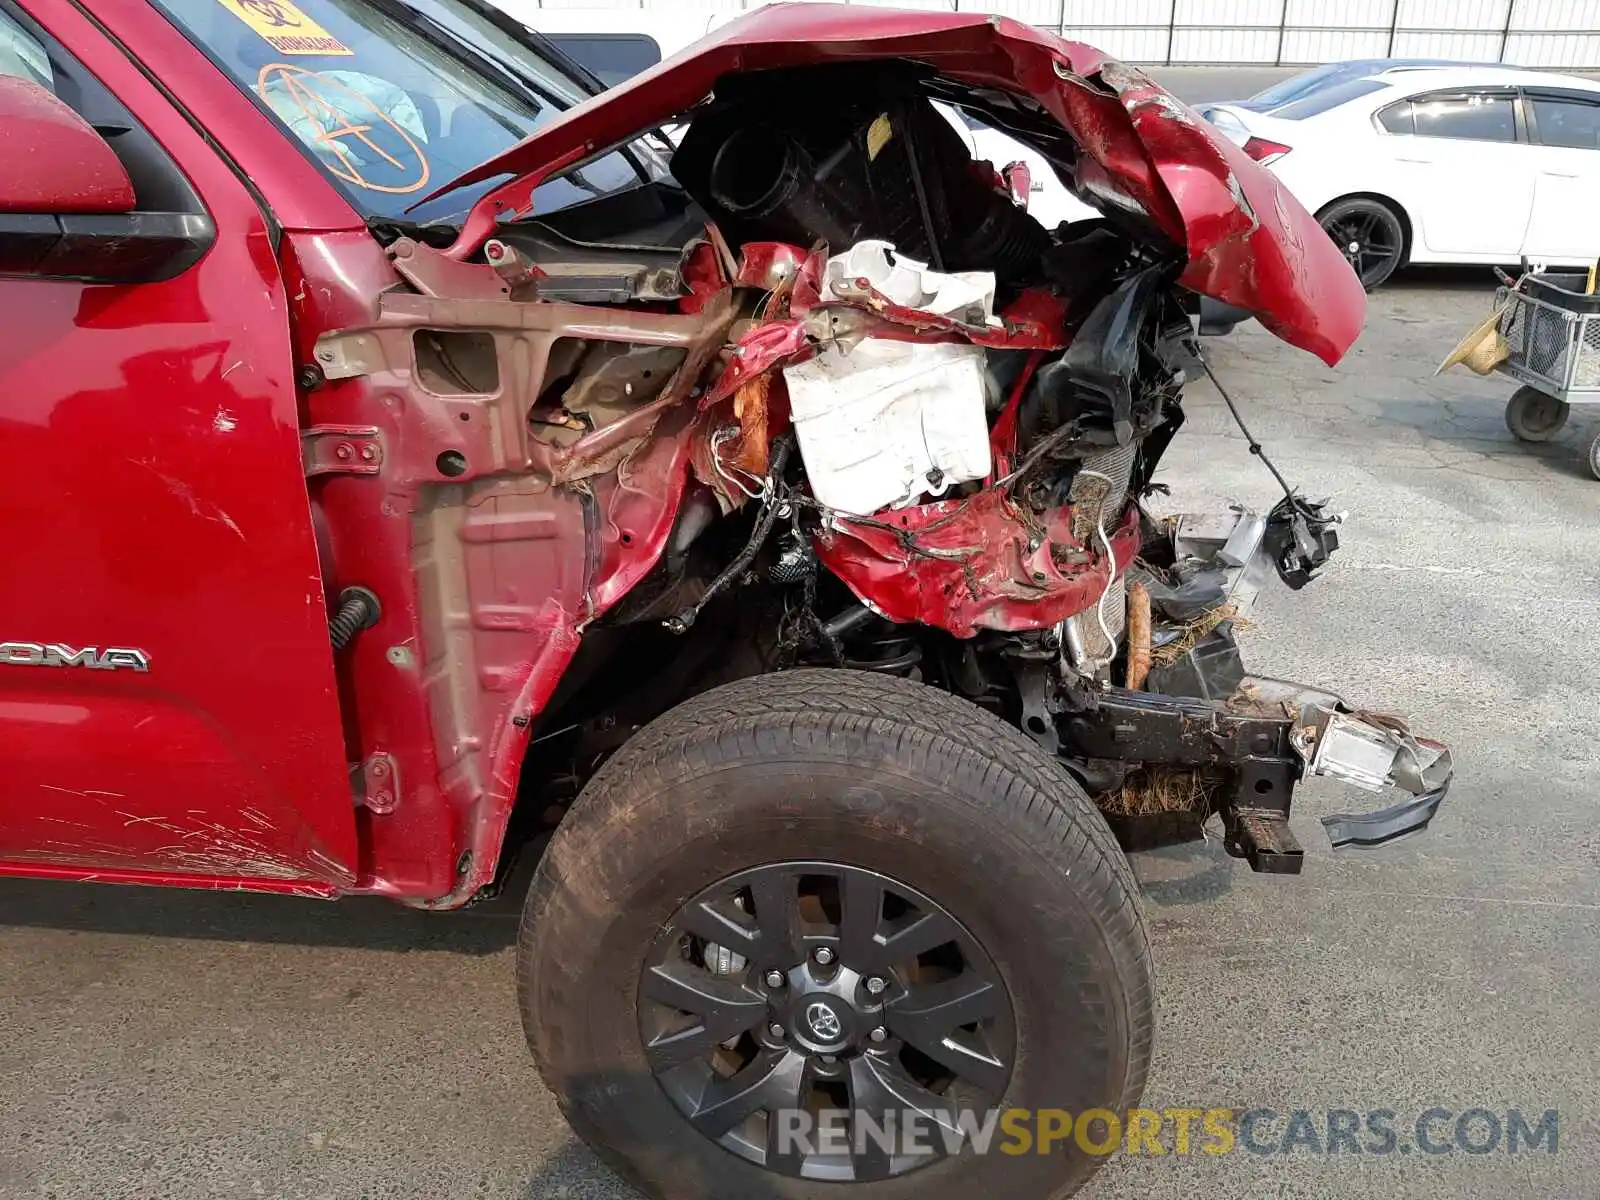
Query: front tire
{"type": "Point", "coordinates": [808, 776]}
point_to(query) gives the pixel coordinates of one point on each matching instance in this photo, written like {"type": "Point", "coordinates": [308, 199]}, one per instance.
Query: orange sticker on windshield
{"type": "Point", "coordinates": [285, 28]}
{"type": "Point", "coordinates": [364, 145]}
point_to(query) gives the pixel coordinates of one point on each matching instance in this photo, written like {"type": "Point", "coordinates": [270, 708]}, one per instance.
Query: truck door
{"type": "Point", "coordinates": [167, 700]}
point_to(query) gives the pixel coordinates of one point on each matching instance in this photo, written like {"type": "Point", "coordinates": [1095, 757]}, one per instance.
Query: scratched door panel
{"type": "Point", "coordinates": [167, 699]}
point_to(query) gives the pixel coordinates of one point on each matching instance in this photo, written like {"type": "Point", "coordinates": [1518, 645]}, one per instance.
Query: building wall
{"type": "Point", "coordinates": [1530, 33]}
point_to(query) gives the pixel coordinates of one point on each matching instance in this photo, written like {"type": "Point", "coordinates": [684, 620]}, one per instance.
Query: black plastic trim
{"type": "Point", "coordinates": [1386, 824]}
{"type": "Point", "coordinates": [138, 247]}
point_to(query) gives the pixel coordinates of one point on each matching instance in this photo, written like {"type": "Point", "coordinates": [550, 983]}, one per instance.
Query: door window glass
{"type": "Point", "coordinates": [1567, 123]}
{"type": "Point", "coordinates": [1397, 118]}
{"type": "Point", "coordinates": [1476, 117]}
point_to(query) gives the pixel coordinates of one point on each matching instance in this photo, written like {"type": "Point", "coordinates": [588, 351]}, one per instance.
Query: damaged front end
{"type": "Point", "coordinates": [1207, 737]}
{"type": "Point", "coordinates": [834, 387]}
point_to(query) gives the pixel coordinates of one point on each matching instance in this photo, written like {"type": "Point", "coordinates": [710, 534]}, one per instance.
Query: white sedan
{"type": "Point", "coordinates": [1420, 163]}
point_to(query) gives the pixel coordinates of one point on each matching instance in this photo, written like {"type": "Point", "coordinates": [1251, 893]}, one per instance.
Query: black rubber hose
{"type": "Point", "coordinates": [765, 520]}
{"type": "Point", "coordinates": [856, 617]}
{"type": "Point", "coordinates": [358, 610]}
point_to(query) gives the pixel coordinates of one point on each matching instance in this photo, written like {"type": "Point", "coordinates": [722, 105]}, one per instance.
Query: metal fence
{"type": "Point", "coordinates": [1564, 33]}
{"type": "Point", "coordinates": [1532, 33]}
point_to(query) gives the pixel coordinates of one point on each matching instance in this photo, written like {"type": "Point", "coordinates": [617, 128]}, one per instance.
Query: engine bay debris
{"type": "Point", "coordinates": [833, 384]}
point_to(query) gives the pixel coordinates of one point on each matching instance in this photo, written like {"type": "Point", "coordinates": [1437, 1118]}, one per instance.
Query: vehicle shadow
{"type": "Point", "coordinates": [361, 922]}
{"type": "Point", "coordinates": [1451, 277]}
{"type": "Point", "coordinates": [1183, 874]}
{"type": "Point", "coordinates": [574, 1172]}
{"type": "Point", "coordinates": [1468, 430]}
{"type": "Point", "coordinates": [1186, 873]}
{"type": "Point", "coordinates": [1566, 456]}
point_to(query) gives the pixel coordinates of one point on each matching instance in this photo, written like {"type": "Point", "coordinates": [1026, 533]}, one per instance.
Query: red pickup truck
{"type": "Point", "coordinates": [415, 456]}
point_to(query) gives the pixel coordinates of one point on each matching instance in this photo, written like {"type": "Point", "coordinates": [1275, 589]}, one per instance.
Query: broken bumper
{"type": "Point", "coordinates": [1263, 740]}
{"type": "Point", "coordinates": [1375, 752]}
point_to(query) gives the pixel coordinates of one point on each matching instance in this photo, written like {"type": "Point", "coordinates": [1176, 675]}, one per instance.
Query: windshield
{"type": "Point", "coordinates": [396, 97]}
{"type": "Point", "coordinates": [1327, 98]}
{"type": "Point", "coordinates": [1308, 83]}
{"type": "Point", "coordinates": [1292, 88]}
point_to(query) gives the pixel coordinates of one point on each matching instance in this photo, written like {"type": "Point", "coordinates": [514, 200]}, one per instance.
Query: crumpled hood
{"type": "Point", "coordinates": [1249, 242]}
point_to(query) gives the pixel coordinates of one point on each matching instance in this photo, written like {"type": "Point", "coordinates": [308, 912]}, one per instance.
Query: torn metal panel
{"type": "Point", "coordinates": [1033, 324]}
{"type": "Point", "coordinates": [776, 266]}
{"type": "Point", "coordinates": [610, 380]}
{"type": "Point", "coordinates": [979, 563]}
{"type": "Point", "coordinates": [1220, 559]}
{"type": "Point", "coordinates": [1265, 739]}
{"type": "Point", "coordinates": [1247, 241]}
{"type": "Point", "coordinates": [766, 347]}
{"type": "Point", "coordinates": [515, 541]}
{"type": "Point", "coordinates": [607, 447]}
{"type": "Point", "coordinates": [1036, 320]}
{"type": "Point", "coordinates": [1355, 751]}
{"type": "Point", "coordinates": [1373, 751]}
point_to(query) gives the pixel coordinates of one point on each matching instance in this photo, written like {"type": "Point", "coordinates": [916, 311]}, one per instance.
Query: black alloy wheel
{"type": "Point", "coordinates": [828, 896]}
{"type": "Point", "coordinates": [825, 988]}
{"type": "Point", "coordinates": [1369, 235]}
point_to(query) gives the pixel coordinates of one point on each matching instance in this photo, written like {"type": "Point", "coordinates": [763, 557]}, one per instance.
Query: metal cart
{"type": "Point", "coordinates": [1551, 328]}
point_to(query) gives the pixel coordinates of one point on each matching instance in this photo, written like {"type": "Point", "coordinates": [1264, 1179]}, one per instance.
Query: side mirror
{"type": "Point", "coordinates": [65, 166]}
{"type": "Point", "coordinates": [67, 204]}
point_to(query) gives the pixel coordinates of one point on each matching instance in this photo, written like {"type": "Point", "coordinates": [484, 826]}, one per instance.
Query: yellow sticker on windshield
{"type": "Point", "coordinates": [285, 28]}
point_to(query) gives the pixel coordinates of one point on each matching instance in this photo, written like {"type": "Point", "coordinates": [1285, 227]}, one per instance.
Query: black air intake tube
{"type": "Point", "coordinates": [762, 174]}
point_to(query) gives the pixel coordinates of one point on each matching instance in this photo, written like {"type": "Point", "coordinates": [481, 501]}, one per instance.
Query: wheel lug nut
{"type": "Point", "coordinates": [774, 979]}
{"type": "Point", "coordinates": [876, 985]}
{"type": "Point", "coordinates": [880, 1034]}
{"type": "Point", "coordinates": [824, 956]}
{"type": "Point", "coordinates": [775, 1030]}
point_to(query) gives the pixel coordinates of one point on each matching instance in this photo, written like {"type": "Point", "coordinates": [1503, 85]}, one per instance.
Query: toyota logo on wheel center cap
{"type": "Point", "coordinates": [823, 1022]}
